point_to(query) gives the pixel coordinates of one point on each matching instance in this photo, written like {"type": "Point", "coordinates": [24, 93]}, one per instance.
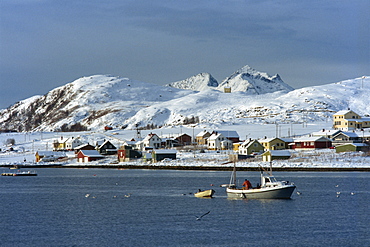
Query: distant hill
{"type": "Point", "coordinates": [96, 101]}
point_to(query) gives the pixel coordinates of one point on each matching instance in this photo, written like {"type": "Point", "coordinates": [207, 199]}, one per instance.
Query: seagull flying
{"type": "Point", "coordinates": [200, 217]}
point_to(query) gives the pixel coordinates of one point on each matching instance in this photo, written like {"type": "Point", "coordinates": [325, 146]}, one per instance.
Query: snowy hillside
{"type": "Point", "coordinates": [96, 101]}
{"type": "Point", "coordinates": [200, 82]}
{"type": "Point", "coordinates": [254, 82]}
{"type": "Point", "coordinates": [214, 108]}
{"type": "Point", "coordinates": [89, 102]}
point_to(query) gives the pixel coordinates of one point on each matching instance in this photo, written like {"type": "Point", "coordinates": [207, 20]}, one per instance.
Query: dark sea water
{"type": "Point", "coordinates": [53, 209]}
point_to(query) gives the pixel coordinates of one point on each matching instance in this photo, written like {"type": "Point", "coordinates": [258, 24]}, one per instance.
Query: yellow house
{"type": "Point", "coordinates": [236, 146]}
{"type": "Point", "coordinates": [202, 137]}
{"type": "Point", "coordinates": [272, 143]}
{"type": "Point", "coordinates": [60, 144]}
{"type": "Point", "coordinates": [349, 120]}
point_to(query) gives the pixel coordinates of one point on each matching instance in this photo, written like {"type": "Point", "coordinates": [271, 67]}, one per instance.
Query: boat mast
{"type": "Point", "coordinates": [270, 168]}
{"type": "Point", "coordinates": [233, 176]}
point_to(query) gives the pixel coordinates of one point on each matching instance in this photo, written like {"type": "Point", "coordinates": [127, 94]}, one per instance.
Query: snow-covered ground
{"type": "Point", "coordinates": [27, 144]}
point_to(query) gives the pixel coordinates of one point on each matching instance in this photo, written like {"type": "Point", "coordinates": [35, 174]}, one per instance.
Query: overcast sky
{"type": "Point", "coordinates": [48, 43]}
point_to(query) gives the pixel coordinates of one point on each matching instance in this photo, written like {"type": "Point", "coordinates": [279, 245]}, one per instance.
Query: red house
{"type": "Point", "coordinates": [183, 139]}
{"type": "Point", "coordinates": [88, 155]}
{"type": "Point", "coordinates": [311, 143]}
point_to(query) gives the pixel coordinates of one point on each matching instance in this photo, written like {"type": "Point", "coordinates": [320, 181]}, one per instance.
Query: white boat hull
{"type": "Point", "coordinates": [280, 192]}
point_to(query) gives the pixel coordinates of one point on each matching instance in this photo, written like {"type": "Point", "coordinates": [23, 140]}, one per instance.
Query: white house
{"type": "Point", "coordinates": [217, 141]}
{"type": "Point", "coordinates": [152, 141]}
{"type": "Point", "coordinates": [232, 135]}
{"type": "Point", "coordinates": [71, 143]}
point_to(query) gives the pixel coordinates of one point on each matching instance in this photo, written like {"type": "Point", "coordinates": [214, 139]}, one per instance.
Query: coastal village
{"type": "Point", "coordinates": [349, 133]}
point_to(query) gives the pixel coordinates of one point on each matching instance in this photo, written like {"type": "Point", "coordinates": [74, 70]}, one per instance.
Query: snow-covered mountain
{"type": "Point", "coordinates": [199, 82]}
{"type": "Point", "coordinates": [246, 79]}
{"type": "Point", "coordinates": [254, 82]}
{"type": "Point", "coordinates": [96, 101]}
{"type": "Point", "coordinates": [88, 102]}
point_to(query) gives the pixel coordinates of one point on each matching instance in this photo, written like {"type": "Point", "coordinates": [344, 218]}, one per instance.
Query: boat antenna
{"type": "Point", "coordinates": [263, 169]}
{"type": "Point", "coordinates": [233, 175]}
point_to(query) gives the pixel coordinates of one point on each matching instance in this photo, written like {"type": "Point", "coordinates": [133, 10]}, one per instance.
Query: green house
{"type": "Point", "coordinates": [352, 147]}
{"type": "Point", "coordinates": [250, 147]}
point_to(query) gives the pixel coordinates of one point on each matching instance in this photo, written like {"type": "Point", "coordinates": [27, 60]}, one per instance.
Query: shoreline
{"type": "Point", "coordinates": [199, 168]}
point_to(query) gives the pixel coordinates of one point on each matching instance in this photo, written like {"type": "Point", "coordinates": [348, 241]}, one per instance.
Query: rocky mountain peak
{"type": "Point", "coordinates": [199, 82]}
{"type": "Point", "coordinates": [247, 79]}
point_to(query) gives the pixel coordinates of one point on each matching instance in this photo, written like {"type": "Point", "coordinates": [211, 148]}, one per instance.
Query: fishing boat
{"type": "Point", "coordinates": [204, 193]}
{"type": "Point", "coordinates": [19, 173]}
{"type": "Point", "coordinates": [269, 188]}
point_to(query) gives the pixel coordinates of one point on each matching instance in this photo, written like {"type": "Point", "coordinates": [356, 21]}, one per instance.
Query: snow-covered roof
{"type": "Point", "coordinates": [92, 153]}
{"type": "Point", "coordinates": [214, 136]}
{"type": "Point", "coordinates": [247, 143]}
{"type": "Point", "coordinates": [51, 153]}
{"type": "Point", "coordinates": [349, 134]}
{"type": "Point", "coordinates": [269, 139]}
{"type": "Point", "coordinates": [165, 151]}
{"type": "Point", "coordinates": [355, 144]}
{"type": "Point", "coordinates": [279, 152]}
{"type": "Point", "coordinates": [326, 132]}
{"type": "Point", "coordinates": [287, 140]}
{"type": "Point", "coordinates": [150, 136]}
{"type": "Point", "coordinates": [342, 112]}
{"type": "Point", "coordinates": [202, 133]}
{"type": "Point", "coordinates": [105, 142]}
{"type": "Point", "coordinates": [130, 142]}
{"type": "Point", "coordinates": [363, 119]}
{"type": "Point", "coordinates": [228, 133]}
{"type": "Point", "coordinates": [82, 145]}
{"type": "Point", "coordinates": [311, 139]}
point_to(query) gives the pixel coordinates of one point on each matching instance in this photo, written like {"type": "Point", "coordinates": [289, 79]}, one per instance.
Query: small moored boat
{"type": "Point", "coordinates": [19, 173]}
{"type": "Point", "coordinates": [204, 193]}
{"type": "Point", "coordinates": [270, 188]}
